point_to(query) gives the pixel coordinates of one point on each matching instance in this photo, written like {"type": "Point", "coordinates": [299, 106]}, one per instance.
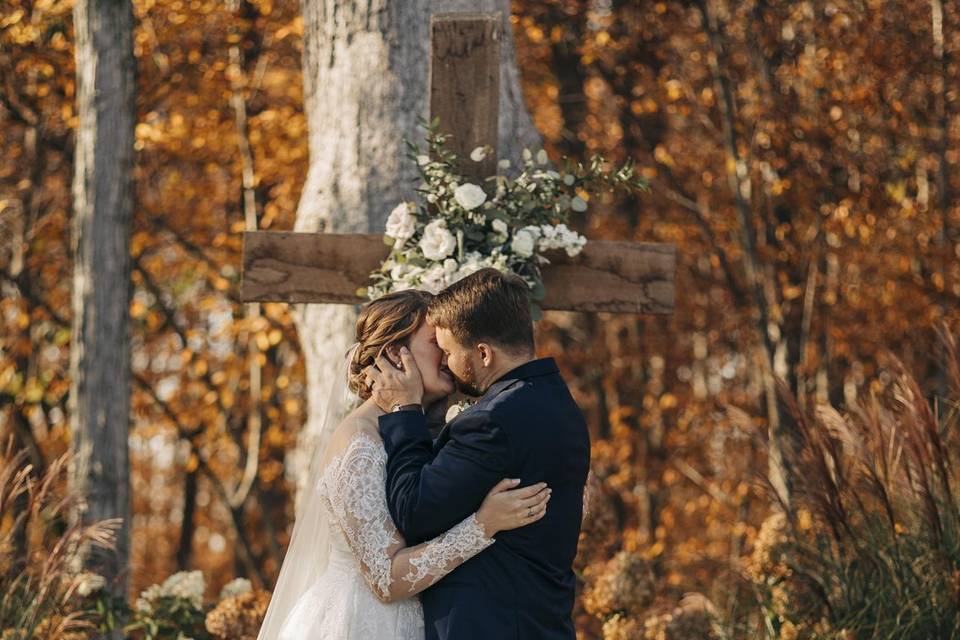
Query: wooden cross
{"type": "Point", "coordinates": [620, 277]}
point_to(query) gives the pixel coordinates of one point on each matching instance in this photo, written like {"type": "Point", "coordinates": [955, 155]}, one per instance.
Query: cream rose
{"type": "Point", "coordinates": [524, 242]}
{"type": "Point", "coordinates": [437, 242]}
{"type": "Point", "coordinates": [469, 196]}
{"type": "Point", "coordinates": [401, 223]}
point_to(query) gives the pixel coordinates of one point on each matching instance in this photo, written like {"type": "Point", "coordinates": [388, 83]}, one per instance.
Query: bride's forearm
{"type": "Point", "coordinates": [414, 569]}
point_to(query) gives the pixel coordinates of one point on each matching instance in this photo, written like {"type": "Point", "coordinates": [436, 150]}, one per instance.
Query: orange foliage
{"type": "Point", "coordinates": [837, 155]}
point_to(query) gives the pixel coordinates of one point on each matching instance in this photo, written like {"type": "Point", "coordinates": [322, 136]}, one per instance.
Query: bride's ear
{"type": "Point", "coordinates": [392, 351]}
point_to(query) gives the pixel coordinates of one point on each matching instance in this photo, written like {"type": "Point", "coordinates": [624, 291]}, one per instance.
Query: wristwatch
{"type": "Point", "coordinates": [406, 407]}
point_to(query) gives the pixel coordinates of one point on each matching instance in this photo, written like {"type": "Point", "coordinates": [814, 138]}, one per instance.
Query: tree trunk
{"type": "Point", "coordinates": [758, 281]}
{"type": "Point", "coordinates": [365, 84]}
{"type": "Point", "coordinates": [103, 211]}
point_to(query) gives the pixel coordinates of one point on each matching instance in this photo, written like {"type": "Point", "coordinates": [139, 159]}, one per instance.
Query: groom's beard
{"type": "Point", "coordinates": [468, 388]}
{"type": "Point", "coordinates": [467, 384]}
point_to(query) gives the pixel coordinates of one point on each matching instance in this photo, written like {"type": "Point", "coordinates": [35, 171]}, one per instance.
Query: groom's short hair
{"type": "Point", "coordinates": [486, 306]}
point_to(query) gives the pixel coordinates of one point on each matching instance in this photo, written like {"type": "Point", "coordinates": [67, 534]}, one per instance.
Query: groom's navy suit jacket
{"type": "Point", "coordinates": [526, 426]}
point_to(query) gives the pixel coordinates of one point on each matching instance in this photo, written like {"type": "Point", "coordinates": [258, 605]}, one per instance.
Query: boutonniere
{"type": "Point", "coordinates": [457, 409]}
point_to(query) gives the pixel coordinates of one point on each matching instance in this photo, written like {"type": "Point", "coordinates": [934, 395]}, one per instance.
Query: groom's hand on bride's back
{"type": "Point", "coordinates": [393, 386]}
{"type": "Point", "coordinates": [507, 507]}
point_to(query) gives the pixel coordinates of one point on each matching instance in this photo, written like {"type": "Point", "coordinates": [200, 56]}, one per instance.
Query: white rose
{"type": "Point", "coordinates": [401, 223]}
{"type": "Point", "coordinates": [542, 157]}
{"type": "Point", "coordinates": [472, 262]}
{"type": "Point", "coordinates": [499, 226]}
{"type": "Point", "coordinates": [434, 279]}
{"type": "Point", "coordinates": [437, 242]}
{"type": "Point", "coordinates": [469, 196]}
{"type": "Point", "coordinates": [422, 160]}
{"type": "Point", "coordinates": [523, 243]}
{"type": "Point", "coordinates": [478, 154]}
{"type": "Point", "coordinates": [455, 410]}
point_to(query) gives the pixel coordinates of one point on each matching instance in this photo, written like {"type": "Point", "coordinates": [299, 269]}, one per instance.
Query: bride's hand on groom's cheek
{"type": "Point", "coordinates": [392, 386]}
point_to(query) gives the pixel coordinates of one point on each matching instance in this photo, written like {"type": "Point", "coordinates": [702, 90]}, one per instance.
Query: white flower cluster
{"type": "Point", "coordinates": [546, 237]}
{"type": "Point", "coordinates": [185, 585]}
{"type": "Point", "coordinates": [440, 274]}
{"type": "Point", "coordinates": [235, 587]}
{"type": "Point", "coordinates": [88, 583]}
{"type": "Point", "coordinates": [507, 223]}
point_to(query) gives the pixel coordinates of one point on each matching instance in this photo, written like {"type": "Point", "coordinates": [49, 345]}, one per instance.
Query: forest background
{"type": "Point", "coordinates": [808, 147]}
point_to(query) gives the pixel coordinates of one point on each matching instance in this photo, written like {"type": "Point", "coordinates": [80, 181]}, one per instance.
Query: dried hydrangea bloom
{"type": "Point", "coordinates": [238, 617]}
{"type": "Point", "coordinates": [625, 584]}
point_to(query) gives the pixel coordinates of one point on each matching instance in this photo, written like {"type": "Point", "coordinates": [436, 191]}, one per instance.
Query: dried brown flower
{"type": "Point", "coordinates": [239, 617]}
{"type": "Point", "coordinates": [622, 628]}
{"type": "Point", "coordinates": [682, 623]}
{"type": "Point", "coordinates": [626, 585]}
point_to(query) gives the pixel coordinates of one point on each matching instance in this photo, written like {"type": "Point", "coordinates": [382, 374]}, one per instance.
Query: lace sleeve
{"type": "Point", "coordinates": [357, 496]}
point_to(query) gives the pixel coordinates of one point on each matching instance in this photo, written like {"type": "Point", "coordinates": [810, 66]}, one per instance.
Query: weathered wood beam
{"type": "Point", "coordinates": [464, 85]}
{"type": "Point", "coordinates": [617, 277]}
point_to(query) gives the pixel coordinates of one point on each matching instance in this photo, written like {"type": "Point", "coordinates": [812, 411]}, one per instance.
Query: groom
{"type": "Point", "coordinates": [525, 425]}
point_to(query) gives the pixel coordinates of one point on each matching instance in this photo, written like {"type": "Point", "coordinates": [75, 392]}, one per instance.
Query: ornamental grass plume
{"type": "Point", "coordinates": [41, 593]}
{"type": "Point", "coordinates": [239, 617]}
{"type": "Point", "coordinates": [872, 543]}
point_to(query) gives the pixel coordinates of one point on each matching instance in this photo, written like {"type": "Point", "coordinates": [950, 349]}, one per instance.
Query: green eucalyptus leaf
{"type": "Point", "coordinates": [538, 292]}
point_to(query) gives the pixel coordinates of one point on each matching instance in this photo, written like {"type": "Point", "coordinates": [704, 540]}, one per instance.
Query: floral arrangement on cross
{"type": "Point", "coordinates": [460, 227]}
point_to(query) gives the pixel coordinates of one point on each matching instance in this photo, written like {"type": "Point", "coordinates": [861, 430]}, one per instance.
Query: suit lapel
{"type": "Point", "coordinates": [534, 368]}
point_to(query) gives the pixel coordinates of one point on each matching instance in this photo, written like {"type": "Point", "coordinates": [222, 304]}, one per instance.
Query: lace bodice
{"type": "Point", "coordinates": [353, 489]}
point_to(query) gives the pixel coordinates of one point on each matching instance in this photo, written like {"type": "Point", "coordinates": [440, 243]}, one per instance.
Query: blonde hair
{"type": "Point", "coordinates": [388, 320]}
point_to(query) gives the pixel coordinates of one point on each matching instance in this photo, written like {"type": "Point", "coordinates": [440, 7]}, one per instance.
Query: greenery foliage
{"type": "Point", "coordinates": [510, 223]}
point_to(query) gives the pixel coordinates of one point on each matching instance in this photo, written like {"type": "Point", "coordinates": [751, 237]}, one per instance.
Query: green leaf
{"type": "Point", "coordinates": [539, 292]}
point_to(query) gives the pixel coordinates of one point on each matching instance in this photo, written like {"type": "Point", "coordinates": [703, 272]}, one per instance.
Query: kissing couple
{"type": "Point", "coordinates": [469, 536]}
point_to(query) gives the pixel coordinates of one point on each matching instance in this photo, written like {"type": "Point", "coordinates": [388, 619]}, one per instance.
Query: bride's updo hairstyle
{"type": "Point", "coordinates": [388, 320]}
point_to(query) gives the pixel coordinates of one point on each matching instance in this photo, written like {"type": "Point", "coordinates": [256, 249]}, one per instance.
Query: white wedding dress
{"type": "Point", "coordinates": [363, 585]}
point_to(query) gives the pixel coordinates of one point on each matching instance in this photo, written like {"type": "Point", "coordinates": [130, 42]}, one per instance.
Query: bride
{"type": "Point", "coordinates": [348, 574]}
